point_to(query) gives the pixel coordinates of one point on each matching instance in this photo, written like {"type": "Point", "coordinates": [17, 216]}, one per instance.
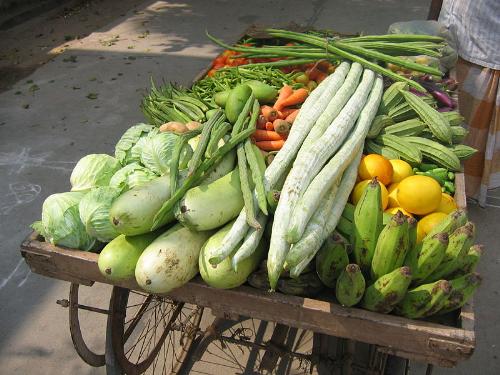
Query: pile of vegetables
{"type": "Point", "coordinates": [306, 165]}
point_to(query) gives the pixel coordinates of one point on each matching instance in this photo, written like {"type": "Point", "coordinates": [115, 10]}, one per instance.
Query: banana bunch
{"type": "Point", "coordinates": [173, 103]}
{"type": "Point", "coordinates": [390, 272]}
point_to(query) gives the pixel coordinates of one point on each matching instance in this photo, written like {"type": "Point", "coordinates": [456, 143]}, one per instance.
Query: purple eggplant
{"type": "Point", "coordinates": [445, 109]}
{"type": "Point", "coordinates": [438, 93]}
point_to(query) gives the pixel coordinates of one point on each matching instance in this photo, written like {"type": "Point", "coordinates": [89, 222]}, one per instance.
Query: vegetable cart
{"type": "Point", "coordinates": [172, 322]}
{"type": "Point", "coordinates": [253, 331]}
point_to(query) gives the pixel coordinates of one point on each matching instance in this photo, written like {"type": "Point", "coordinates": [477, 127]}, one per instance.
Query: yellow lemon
{"type": "Point", "coordinates": [374, 165]}
{"type": "Point", "coordinates": [428, 222]}
{"type": "Point", "coordinates": [393, 194]}
{"type": "Point", "coordinates": [401, 170]}
{"type": "Point", "coordinates": [447, 204]}
{"type": "Point", "coordinates": [360, 188]}
{"type": "Point", "coordinates": [394, 210]}
{"type": "Point", "coordinates": [419, 195]}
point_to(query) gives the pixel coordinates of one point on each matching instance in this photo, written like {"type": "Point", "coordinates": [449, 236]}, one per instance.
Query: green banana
{"type": "Point", "coordinates": [348, 212]}
{"type": "Point", "coordinates": [350, 286]}
{"type": "Point", "coordinates": [469, 262]}
{"type": "Point", "coordinates": [463, 288]}
{"type": "Point", "coordinates": [459, 243]}
{"type": "Point", "coordinates": [424, 300]}
{"type": "Point", "coordinates": [367, 224]}
{"type": "Point", "coordinates": [392, 246]}
{"type": "Point", "coordinates": [453, 221]}
{"type": "Point", "coordinates": [427, 256]}
{"type": "Point", "coordinates": [331, 259]}
{"type": "Point", "coordinates": [412, 233]}
{"type": "Point", "coordinates": [344, 227]}
{"type": "Point", "coordinates": [385, 293]}
{"type": "Point", "coordinates": [306, 285]}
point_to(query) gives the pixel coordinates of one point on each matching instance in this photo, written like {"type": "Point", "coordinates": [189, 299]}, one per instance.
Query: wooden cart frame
{"type": "Point", "coordinates": [420, 340]}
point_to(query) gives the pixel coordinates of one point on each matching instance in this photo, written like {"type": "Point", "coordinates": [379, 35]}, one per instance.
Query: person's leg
{"type": "Point", "coordinates": [479, 103]}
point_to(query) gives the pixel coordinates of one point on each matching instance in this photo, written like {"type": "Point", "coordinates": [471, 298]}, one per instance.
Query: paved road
{"type": "Point", "coordinates": [48, 122]}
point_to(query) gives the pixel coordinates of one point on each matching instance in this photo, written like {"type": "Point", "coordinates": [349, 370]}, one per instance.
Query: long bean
{"type": "Point", "coordinates": [239, 124]}
{"type": "Point", "coordinates": [217, 134]}
{"type": "Point", "coordinates": [196, 177]}
{"type": "Point", "coordinates": [176, 155]}
{"type": "Point", "coordinates": [197, 157]}
{"type": "Point", "coordinates": [246, 188]}
{"type": "Point", "coordinates": [368, 64]}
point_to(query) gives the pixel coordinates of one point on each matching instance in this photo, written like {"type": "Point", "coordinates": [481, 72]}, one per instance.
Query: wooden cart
{"type": "Point", "coordinates": [166, 327]}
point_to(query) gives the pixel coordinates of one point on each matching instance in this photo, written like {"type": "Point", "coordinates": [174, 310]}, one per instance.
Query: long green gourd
{"type": "Point", "coordinates": [297, 180]}
{"type": "Point", "coordinates": [310, 200]}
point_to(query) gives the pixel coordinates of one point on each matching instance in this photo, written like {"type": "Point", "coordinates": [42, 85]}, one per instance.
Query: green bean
{"type": "Point", "coordinates": [257, 175]}
{"type": "Point", "coordinates": [196, 177]}
{"type": "Point", "coordinates": [195, 161]}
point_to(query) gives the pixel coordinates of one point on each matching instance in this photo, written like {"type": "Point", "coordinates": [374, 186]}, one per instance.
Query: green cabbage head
{"type": "Point", "coordinates": [94, 212]}
{"type": "Point", "coordinates": [157, 151]}
{"type": "Point", "coordinates": [125, 146]}
{"type": "Point", "coordinates": [130, 176]}
{"type": "Point", "coordinates": [93, 170]}
{"type": "Point", "coordinates": [61, 224]}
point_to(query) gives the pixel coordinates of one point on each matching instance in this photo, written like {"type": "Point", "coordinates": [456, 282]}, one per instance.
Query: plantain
{"type": "Point", "coordinates": [331, 259]}
{"type": "Point", "coordinates": [459, 243]}
{"type": "Point", "coordinates": [412, 232]}
{"type": "Point", "coordinates": [452, 222]}
{"type": "Point", "coordinates": [426, 256]}
{"type": "Point", "coordinates": [424, 300]}
{"type": "Point", "coordinates": [392, 246]}
{"type": "Point", "coordinates": [350, 286]}
{"type": "Point", "coordinates": [367, 222]}
{"type": "Point", "coordinates": [387, 291]}
{"type": "Point", "coordinates": [462, 289]}
{"type": "Point", "coordinates": [469, 261]}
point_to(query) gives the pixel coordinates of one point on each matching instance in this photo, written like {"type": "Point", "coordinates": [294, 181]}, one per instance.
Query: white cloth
{"type": "Point", "coordinates": [475, 26]}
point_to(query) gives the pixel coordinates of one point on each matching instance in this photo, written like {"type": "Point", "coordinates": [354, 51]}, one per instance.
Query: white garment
{"type": "Point", "coordinates": [475, 25]}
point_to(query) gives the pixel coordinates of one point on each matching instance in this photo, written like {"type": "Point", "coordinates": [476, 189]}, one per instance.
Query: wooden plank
{"type": "Point", "coordinates": [459, 196]}
{"type": "Point", "coordinates": [433, 342]}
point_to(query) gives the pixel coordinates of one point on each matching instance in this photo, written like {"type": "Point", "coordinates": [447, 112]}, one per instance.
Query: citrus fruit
{"type": "Point", "coordinates": [360, 188]}
{"type": "Point", "coordinates": [447, 204]}
{"type": "Point", "coordinates": [428, 222]}
{"type": "Point", "coordinates": [394, 210]}
{"type": "Point", "coordinates": [419, 195]}
{"type": "Point", "coordinates": [393, 194]}
{"type": "Point", "coordinates": [401, 170]}
{"type": "Point", "coordinates": [374, 165]}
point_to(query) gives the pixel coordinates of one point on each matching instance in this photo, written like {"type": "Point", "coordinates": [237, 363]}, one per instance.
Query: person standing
{"type": "Point", "coordinates": [475, 28]}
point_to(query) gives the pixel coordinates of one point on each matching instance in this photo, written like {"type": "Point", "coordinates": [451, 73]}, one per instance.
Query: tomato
{"type": "Point", "coordinates": [218, 65]}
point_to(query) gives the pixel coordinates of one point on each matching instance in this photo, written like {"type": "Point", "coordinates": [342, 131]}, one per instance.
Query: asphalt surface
{"type": "Point", "coordinates": [81, 101]}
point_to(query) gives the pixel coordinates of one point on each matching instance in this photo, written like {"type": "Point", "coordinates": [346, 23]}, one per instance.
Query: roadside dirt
{"type": "Point", "coordinates": [27, 45]}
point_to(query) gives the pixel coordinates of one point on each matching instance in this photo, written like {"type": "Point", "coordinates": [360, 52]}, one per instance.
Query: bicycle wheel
{"type": "Point", "coordinates": [150, 334]}
{"type": "Point", "coordinates": [81, 347]}
{"type": "Point", "coordinates": [251, 346]}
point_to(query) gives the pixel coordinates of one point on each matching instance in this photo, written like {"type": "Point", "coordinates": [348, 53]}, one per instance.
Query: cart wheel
{"type": "Point", "coordinates": [251, 346]}
{"type": "Point", "coordinates": [150, 333]}
{"type": "Point", "coordinates": [91, 358]}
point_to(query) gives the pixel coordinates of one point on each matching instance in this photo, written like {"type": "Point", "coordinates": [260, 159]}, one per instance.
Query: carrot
{"type": "Point", "coordinates": [298, 97]}
{"type": "Point", "coordinates": [281, 127]}
{"type": "Point", "coordinates": [261, 122]}
{"type": "Point", "coordinates": [269, 113]}
{"type": "Point", "coordinates": [269, 125]}
{"type": "Point", "coordinates": [285, 92]}
{"type": "Point", "coordinates": [270, 145]}
{"type": "Point", "coordinates": [292, 116]}
{"type": "Point", "coordinates": [266, 135]}
{"type": "Point", "coordinates": [287, 112]}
